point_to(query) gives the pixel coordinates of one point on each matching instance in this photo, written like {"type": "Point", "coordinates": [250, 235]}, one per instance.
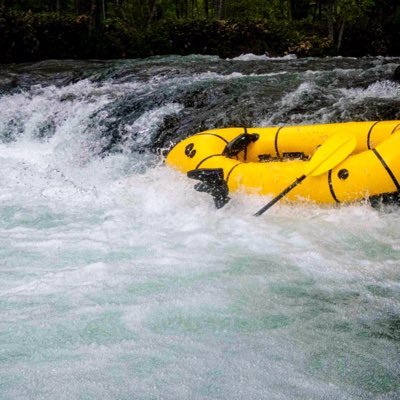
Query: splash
{"type": "Point", "coordinates": [263, 57]}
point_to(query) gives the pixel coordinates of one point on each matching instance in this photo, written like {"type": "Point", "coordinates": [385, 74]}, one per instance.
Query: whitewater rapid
{"type": "Point", "coordinates": [119, 281]}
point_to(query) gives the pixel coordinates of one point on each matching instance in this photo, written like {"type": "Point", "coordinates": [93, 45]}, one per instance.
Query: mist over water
{"type": "Point", "coordinates": [119, 281]}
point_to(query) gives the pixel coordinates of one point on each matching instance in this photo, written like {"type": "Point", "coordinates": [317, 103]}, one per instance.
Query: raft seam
{"type": "Point", "coordinates": [332, 190]}
{"type": "Point", "coordinates": [369, 134]}
{"type": "Point", "coordinates": [276, 142]}
{"type": "Point", "coordinates": [387, 168]}
{"type": "Point", "coordinates": [205, 159]}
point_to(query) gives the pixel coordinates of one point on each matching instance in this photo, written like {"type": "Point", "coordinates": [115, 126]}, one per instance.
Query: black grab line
{"type": "Point", "coordinates": [212, 134]}
{"type": "Point", "coordinates": [276, 143]}
{"type": "Point", "coordinates": [332, 190]}
{"type": "Point", "coordinates": [205, 159]}
{"type": "Point", "coordinates": [394, 129]}
{"type": "Point", "coordinates": [369, 134]}
{"type": "Point", "coordinates": [388, 170]}
{"type": "Point", "coordinates": [229, 173]}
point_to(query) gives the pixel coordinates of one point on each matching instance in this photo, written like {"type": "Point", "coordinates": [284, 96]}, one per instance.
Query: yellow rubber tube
{"type": "Point", "coordinates": [373, 169]}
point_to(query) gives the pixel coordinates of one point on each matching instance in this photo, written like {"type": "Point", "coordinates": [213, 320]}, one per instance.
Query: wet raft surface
{"type": "Point", "coordinates": [117, 280]}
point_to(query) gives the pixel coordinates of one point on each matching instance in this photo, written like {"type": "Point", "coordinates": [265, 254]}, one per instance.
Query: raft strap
{"type": "Point", "coordinates": [211, 182]}
{"type": "Point", "coordinates": [239, 143]}
{"type": "Point", "coordinates": [388, 170]}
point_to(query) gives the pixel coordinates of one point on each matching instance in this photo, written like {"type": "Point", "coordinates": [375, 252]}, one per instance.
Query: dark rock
{"type": "Point", "coordinates": [396, 75]}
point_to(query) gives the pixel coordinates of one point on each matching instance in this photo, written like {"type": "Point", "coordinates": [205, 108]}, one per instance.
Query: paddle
{"type": "Point", "coordinates": [327, 156]}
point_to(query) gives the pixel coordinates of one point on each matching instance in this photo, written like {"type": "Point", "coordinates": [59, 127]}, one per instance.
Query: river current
{"type": "Point", "coordinates": [119, 281]}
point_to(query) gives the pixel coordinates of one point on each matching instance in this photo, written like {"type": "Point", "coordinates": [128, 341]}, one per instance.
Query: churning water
{"type": "Point", "coordinates": [119, 281]}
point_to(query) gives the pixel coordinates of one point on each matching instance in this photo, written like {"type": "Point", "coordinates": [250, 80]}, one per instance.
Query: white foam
{"type": "Point", "coordinates": [262, 57]}
{"type": "Point", "coordinates": [143, 129]}
{"type": "Point", "coordinates": [378, 90]}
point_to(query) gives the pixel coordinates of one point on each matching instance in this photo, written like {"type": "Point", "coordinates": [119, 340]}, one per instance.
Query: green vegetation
{"type": "Point", "coordinates": [38, 29]}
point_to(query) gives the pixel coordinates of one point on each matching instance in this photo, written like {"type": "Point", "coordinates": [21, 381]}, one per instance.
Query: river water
{"type": "Point", "coordinates": [119, 281]}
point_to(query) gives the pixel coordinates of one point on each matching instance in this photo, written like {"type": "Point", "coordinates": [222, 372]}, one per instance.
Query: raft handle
{"type": "Point", "coordinates": [239, 143]}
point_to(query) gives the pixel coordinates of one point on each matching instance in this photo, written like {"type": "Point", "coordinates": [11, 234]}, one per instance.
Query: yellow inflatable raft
{"type": "Point", "coordinates": [265, 161]}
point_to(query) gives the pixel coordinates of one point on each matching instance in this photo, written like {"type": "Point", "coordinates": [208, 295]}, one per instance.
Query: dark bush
{"type": "Point", "coordinates": [26, 36]}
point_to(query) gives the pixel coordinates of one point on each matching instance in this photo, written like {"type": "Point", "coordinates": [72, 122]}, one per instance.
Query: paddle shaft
{"type": "Point", "coordinates": [327, 156]}
{"type": "Point", "coordinates": [282, 194]}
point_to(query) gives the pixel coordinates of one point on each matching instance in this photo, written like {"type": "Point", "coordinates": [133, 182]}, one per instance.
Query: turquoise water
{"type": "Point", "coordinates": [118, 281]}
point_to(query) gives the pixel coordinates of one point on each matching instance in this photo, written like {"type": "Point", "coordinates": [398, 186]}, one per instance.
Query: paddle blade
{"type": "Point", "coordinates": [331, 153]}
{"type": "Point", "coordinates": [328, 155]}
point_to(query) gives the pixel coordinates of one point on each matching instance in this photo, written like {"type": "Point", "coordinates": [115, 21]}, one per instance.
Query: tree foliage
{"type": "Point", "coordinates": [299, 25]}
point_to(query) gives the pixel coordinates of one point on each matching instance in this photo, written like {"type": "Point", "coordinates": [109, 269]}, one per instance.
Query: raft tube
{"type": "Point", "coordinates": [264, 161]}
